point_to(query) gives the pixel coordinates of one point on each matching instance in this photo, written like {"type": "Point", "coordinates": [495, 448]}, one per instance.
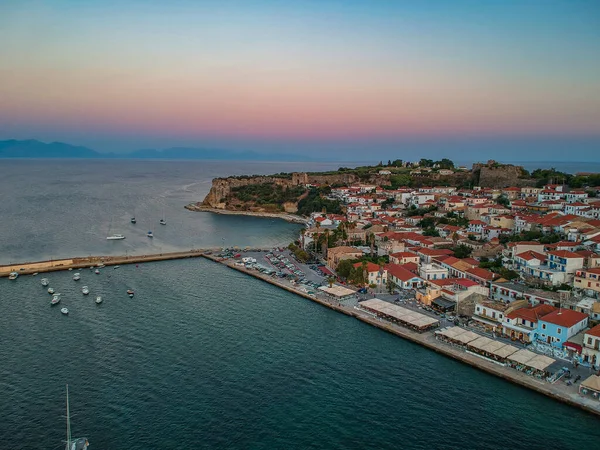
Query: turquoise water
{"type": "Point", "coordinates": [206, 357]}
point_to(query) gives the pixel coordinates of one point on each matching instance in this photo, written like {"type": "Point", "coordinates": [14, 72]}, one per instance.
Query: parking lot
{"type": "Point", "coordinates": [280, 263]}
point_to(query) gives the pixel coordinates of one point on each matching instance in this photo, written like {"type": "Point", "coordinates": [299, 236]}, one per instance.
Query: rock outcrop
{"type": "Point", "coordinates": [221, 187]}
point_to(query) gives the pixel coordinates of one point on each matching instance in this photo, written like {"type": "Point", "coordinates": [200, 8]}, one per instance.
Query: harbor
{"type": "Point", "coordinates": [344, 301]}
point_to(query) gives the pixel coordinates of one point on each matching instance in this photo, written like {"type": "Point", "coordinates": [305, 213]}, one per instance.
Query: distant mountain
{"type": "Point", "coordinates": [36, 149]}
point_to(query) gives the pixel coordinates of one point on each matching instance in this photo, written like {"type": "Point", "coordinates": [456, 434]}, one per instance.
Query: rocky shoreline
{"type": "Point", "coordinates": [288, 217]}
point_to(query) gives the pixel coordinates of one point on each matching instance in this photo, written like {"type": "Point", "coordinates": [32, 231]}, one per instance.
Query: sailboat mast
{"type": "Point", "coordinates": [68, 421]}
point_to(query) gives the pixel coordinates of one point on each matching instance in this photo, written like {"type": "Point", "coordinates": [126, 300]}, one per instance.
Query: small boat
{"type": "Point", "coordinates": [162, 221]}
{"type": "Point", "coordinates": [116, 267]}
{"type": "Point", "coordinates": [65, 311]}
{"type": "Point", "coordinates": [77, 276]}
{"type": "Point", "coordinates": [100, 266]}
{"type": "Point", "coordinates": [133, 220]}
{"type": "Point", "coordinates": [150, 234]}
{"type": "Point", "coordinates": [50, 290]}
{"type": "Point", "coordinates": [35, 274]}
{"type": "Point", "coordinates": [85, 290]}
{"type": "Point", "coordinates": [45, 282]}
{"type": "Point", "coordinates": [98, 300]}
{"type": "Point", "coordinates": [97, 272]}
{"type": "Point", "coordinates": [70, 268]}
{"type": "Point", "coordinates": [115, 237]}
{"type": "Point", "coordinates": [55, 300]}
{"type": "Point", "coordinates": [130, 293]}
{"type": "Point", "coordinates": [74, 443]}
{"type": "Point", "coordinates": [13, 275]}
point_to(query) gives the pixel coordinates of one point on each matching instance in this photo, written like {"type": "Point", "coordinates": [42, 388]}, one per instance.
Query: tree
{"type": "Point", "coordinates": [445, 163]}
{"type": "Point", "coordinates": [390, 285]}
{"type": "Point", "coordinates": [462, 251]}
{"type": "Point", "coordinates": [344, 268]}
{"type": "Point", "coordinates": [503, 200]}
{"type": "Point", "coordinates": [427, 222]}
{"type": "Point", "coordinates": [330, 280]}
{"type": "Point", "coordinates": [426, 162]}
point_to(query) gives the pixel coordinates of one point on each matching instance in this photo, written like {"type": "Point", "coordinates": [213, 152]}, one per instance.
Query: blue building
{"type": "Point", "coordinates": [559, 326]}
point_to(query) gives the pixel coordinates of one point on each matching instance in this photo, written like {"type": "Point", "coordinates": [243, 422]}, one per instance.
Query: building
{"type": "Point", "coordinates": [337, 254]}
{"type": "Point", "coordinates": [403, 278]}
{"type": "Point", "coordinates": [522, 323]}
{"type": "Point", "coordinates": [490, 315]}
{"type": "Point", "coordinates": [509, 292]}
{"type": "Point", "coordinates": [560, 325]}
{"type": "Point", "coordinates": [433, 272]}
{"type": "Point", "coordinates": [591, 346]}
{"type": "Point", "coordinates": [376, 275]}
{"type": "Point", "coordinates": [588, 279]}
{"type": "Point", "coordinates": [403, 258]}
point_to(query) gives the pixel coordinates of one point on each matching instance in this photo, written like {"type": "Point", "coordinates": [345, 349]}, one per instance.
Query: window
{"type": "Point", "coordinates": [543, 326]}
{"type": "Point", "coordinates": [589, 341]}
{"type": "Point", "coordinates": [559, 331]}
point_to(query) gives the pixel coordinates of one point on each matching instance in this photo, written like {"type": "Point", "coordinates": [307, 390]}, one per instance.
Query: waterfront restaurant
{"type": "Point", "coordinates": [529, 362]}
{"type": "Point", "coordinates": [491, 349]}
{"type": "Point", "coordinates": [456, 335]}
{"type": "Point", "coordinates": [590, 386]}
{"type": "Point", "coordinates": [337, 291]}
{"type": "Point", "coordinates": [400, 315]}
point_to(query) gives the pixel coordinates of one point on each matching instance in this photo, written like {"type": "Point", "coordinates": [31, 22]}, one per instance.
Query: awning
{"type": "Point", "coordinates": [443, 304]}
{"type": "Point", "coordinates": [572, 346]}
{"type": "Point", "coordinates": [592, 383]}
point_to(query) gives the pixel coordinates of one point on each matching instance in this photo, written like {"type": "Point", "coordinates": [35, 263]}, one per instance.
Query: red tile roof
{"type": "Point", "coordinates": [400, 272]}
{"type": "Point", "coordinates": [371, 267]}
{"type": "Point", "coordinates": [466, 283]}
{"type": "Point", "coordinates": [565, 317]}
{"type": "Point", "coordinates": [595, 331]}
{"type": "Point", "coordinates": [483, 274]}
{"type": "Point", "coordinates": [530, 254]}
{"type": "Point", "coordinates": [531, 313]}
{"type": "Point", "coordinates": [565, 254]}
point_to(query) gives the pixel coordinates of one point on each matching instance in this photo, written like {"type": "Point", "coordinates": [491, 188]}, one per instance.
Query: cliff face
{"type": "Point", "coordinates": [221, 187]}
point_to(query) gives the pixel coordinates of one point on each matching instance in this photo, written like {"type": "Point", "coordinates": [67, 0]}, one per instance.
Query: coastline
{"type": "Point", "coordinates": [288, 217]}
{"type": "Point", "coordinates": [429, 341]}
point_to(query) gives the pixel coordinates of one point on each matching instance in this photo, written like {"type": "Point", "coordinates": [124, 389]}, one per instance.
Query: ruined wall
{"type": "Point", "coordinates": [499, 176]}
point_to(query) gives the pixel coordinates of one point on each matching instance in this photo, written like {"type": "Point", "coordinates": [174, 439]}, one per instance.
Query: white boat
{"type": "Point", "coordinates": [45, 282]}
{"type": "Point", "coordinates": [98, 300]}
{"type": "Point", "coordinates": [55, 300]}
{"type": "Point", "coordinates": [163, 221]}
{"type": "Point", "coordinates": [74, 443]}
{"type": "Point", "coordinates": [77, 276]}
{"type": "Point", "coordinates": [150, 234]}
{"type": "Point", "coordinates": [50, 290]}
{"type": "Point", "coordinates": [65, 311]}
{"type": "Point", "coordinates": [35, 274]}
{"type": "Point", "coordinates": [13, 275]}
{"type": "Point", "coordinates": [116, 267]}
{"type": "Point", "coordinates": [130, 292]}
{"type": "Point", "coordinates": [85, 290]}
{"type": "Point", "coordinates": [97, 272]}
{"type": "Point", "coordinates": [115, 237]}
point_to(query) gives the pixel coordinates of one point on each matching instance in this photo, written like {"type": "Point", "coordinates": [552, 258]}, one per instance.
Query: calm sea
{"type": "Point", "coordinates": [205, 357]}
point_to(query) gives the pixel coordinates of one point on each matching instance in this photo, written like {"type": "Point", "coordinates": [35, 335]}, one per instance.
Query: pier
{"type": "Point", "coordinates": [54, 265]}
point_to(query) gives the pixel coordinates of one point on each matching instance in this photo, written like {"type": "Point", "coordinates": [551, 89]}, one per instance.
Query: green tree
{"type": "Point", "coordinates": [344, 268]}
{"type": "Point", "coordinates": [503, 200]}
{"type": "Point", "coordinates": [462, 251]}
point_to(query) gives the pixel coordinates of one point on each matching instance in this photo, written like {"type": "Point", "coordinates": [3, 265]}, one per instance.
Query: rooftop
{"type": "Point", "coordinates": [564, 317]}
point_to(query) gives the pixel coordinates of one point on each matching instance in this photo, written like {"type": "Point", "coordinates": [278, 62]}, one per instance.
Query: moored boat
{"type": "Point", "coordinates": [13, 275]}
{"type": "Point", "coordinates": [133, 220]}
{"type": "Point", "coordinates": [55, 300]}
{"type": "Point", "coordinates": [50, 290]}
{"type": "Point", "coordinates": [130, 293]}
{"type": "Point", "coordinates": [65, 311]}
{"type": "Point", "coordinates": [116, 267]}
{"type": "Point", "coordinates": [45, 282]}
{"type": "Point", "coordinates": [115, 237]}
{"type": "Point", "coordinates": [98, 300]}
{"type": "Point", "coordinates": [150, 234]}
{"type": "Point", "coordinates": [85, 290]}
{"type": "Point", "coordinates": [97, 272]}
{"type": "Point", "coordinates": [77, 276]}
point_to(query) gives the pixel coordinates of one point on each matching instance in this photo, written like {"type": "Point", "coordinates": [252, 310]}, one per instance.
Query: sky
{"type": "Point", "coordinates": [347, 79]}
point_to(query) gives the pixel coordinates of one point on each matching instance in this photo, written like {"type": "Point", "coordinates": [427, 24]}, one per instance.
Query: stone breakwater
{"type": "Point", "coordinates": [284, 216]}
{"type": "Point", "coordinates": [427, 339]}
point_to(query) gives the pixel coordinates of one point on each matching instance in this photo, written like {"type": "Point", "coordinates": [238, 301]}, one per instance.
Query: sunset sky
{"type": "Point", "coordinates": [375, 78]}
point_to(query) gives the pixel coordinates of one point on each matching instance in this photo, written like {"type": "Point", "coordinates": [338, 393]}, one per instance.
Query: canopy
{"type": "Point", "coordinates": [592, 383]}
{"type": "Point", "coordinates": [522, 356]}
{"type": "Point", "coordinates": [399, 313]}
{"type": "Point", "coordinates": [337, 290]}
{"type": "Point", "coordinates": [540, 362]}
